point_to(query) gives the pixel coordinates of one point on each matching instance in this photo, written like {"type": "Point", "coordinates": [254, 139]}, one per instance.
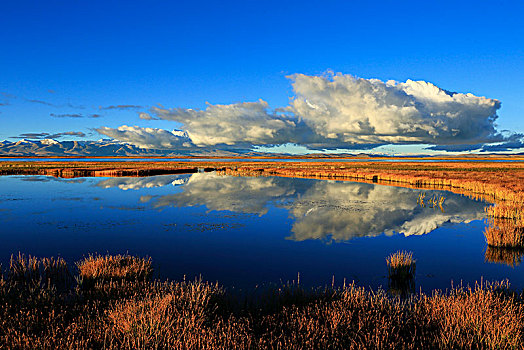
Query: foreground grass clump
{"type": "Point", "coordinates": [45, 272]}
{"type": "Point", "coordinates": [504, 233]}
{"type": "Point", "coordinates": [401, 265]}
{"type": "Point", "coordinates": [133, 312]}
{"type": "Point", "coordinates": [486, 316]}
{"type": "Point", "coordinates": [114, 267]}
{"type": "Point", "coordinates": [401, 273]}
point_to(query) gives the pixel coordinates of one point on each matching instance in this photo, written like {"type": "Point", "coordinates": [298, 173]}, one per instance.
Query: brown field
{"type": "Point", "coordinates": [124, 309]}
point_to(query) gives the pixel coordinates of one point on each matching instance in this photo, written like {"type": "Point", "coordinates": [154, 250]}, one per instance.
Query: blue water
{"type": "Point", "coordinates": [244, 231]}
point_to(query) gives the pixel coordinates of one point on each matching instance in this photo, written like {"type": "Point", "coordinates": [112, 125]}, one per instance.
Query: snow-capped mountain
{"type": "Point", "coordinates": [100, 148]}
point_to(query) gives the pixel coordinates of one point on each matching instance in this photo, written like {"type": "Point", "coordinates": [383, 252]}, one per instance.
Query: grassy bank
{"type": "Point", "coordinates": [110, 302]}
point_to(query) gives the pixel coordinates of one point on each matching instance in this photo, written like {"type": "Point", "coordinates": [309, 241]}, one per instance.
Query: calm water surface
{"type": "Point", "coordinates": [244, 231]}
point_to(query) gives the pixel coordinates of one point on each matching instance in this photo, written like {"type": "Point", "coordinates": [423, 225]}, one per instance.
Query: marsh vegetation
{"type": "Point", "coordinates": [124, 309]}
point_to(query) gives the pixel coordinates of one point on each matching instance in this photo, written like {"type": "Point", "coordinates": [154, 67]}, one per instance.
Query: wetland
{"type": "Point", "coordinates": [260, 255]}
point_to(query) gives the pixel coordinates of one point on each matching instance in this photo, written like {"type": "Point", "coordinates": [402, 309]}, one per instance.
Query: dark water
{"type": "Point", "coordinates": [244, 231]}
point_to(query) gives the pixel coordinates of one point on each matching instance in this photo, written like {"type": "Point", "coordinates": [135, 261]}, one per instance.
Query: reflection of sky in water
{"type": "Point", "coordinates": [246, 230]}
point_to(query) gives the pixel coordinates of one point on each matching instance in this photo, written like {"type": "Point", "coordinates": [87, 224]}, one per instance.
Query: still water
{"type": "Point", "coordinates": [244, 231]}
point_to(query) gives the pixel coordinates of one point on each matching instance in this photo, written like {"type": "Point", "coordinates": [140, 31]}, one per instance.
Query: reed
{"type": "Point", "coordinates": [507, 210]}
{"type": "Point", "coordinates": [177, 315]}
{"type": "Point", "coordinates": [504, 233]}
{"type": "Point", "coordinates": [103, 268]}
{"type": "Point", "coordinates": [401, 265]}
{"type": "Point", "coordinates": [32, 271]}
{"type": "Point", "coordinates": [146, 314]}
{"type": "Point", "coordinates": [485, 314]}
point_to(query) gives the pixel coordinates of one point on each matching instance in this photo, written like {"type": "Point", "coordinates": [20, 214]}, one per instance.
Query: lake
{"type": "Point", "coordinates": [247, 231]}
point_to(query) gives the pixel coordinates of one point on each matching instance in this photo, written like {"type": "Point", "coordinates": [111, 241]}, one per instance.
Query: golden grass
{"type": "Point", "coordinates": [483, 315]}
{"type": "Point", "coordinates": [507, 210]}
{"type": "Point", "coordinates": [141, 314]}
{"type": "Point", "coordinates": [401, 265]}
{"type": "Point", "coordinates": [114, 267]}
{"type": "Point", "coordinates": [504, 233]}
{"type": "Point", "coordinates": [32, 271]}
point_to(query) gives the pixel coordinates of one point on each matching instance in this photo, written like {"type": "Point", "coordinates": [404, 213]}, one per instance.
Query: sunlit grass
{"type": "Point", "coordinates": [136, 313]}
{"type": "Point", "coordinates": [401, 265]}
{"type": "Point", "coordinates": [504, 233]}
{"type": "Point", "coordinates": [114, 267]}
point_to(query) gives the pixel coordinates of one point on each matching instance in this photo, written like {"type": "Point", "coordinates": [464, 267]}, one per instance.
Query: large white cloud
{"type": "Point", "coordinates": [354, 110]}
{"type": "Point", "coordinates": [332, 111]}
{"type": "Point", "coordinates": [239, 123]}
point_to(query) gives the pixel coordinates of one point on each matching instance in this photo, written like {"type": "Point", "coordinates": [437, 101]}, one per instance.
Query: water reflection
{"type": "Point", "coordinates": [136, 183]}
{"type": "Point", "coordinates": [320, 210]}
{"type": "Point", "coordinates": [233, 229]}
{"type": "Point", "coordinates": [507, 256]}
{"type": "Point", "coordinates": [341, 211]}
{"type": "Point", "coordinates": [238, 194]}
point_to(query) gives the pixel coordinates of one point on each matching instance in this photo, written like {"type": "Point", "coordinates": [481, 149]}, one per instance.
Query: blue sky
{"type": "Point", "coordinates": [69, 58]}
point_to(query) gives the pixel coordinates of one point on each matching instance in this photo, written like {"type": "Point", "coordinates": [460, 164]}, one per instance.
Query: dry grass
{"type": "Point", "coordinates": [486, 316]}
{"type": "Point", "coordinates": [507, 210]}
{"type": "Point", "coordinates": [401, 265]}
{"type": "Point", "coordinates": [177, 315]}
{"type": "Point", "coordinates": [140, 314]}
{"type": "Point", "coordinates": [32, 271]}
{"type": "Point", "coordinates": [114, 267]}
{"type": "Point", "coordinates": [504, 233]}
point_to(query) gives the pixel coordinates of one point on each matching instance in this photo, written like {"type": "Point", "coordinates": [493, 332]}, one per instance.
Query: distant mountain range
{"type": "Point", "coordinates": [112, 148]}
{"type": "Point", "coordinates": [101, 148]}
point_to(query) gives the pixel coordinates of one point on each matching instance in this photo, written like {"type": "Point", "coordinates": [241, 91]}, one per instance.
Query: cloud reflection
{"type": "Point", "coordinates": [343, 210]}
{"type": "Point", "coordinates": [324, 210]}
{"type": "Point", "coordinates": [136, 183]}
{"type": "Point", "coordinates": [252, 195]}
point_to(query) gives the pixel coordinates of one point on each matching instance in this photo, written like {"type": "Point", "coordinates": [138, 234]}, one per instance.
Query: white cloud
{"type": "Point", "coordinates": [369, 111]}
{"type": "Point", "coordinates": [147, 137]}
{"type": "Point", "coordinates": [332, 111]}
{"type": "Point", "coordinates": [239, 123]}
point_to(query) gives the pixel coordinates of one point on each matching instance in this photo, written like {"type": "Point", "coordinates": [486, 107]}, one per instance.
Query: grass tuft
{"type": "Point", "coordinates": [504, 233]}
{"type": "Point", "coordinates": [31, 271]}
{"type": "Point", "coordinates": [104, 268]}
{"type": "Point", "coordinates": [401, 265]}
